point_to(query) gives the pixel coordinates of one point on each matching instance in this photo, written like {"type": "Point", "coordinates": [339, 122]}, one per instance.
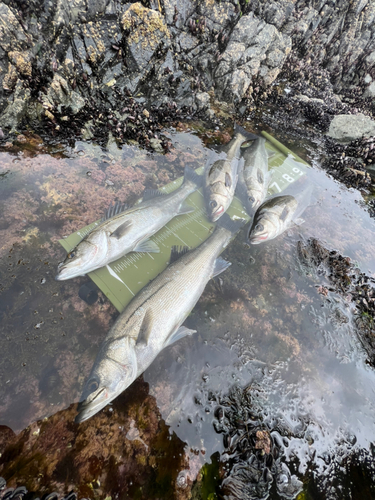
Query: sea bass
{"type": "Point", "coordinates": [255, 174]}
{"type": "Point", "coordinates": [221, 178]}
{"type": "Point", "coordinates": [152, 320]}
{"type": "Point", "coordinates": [129, 230]}
{"type": "Point", "coordinates": [272, 218]}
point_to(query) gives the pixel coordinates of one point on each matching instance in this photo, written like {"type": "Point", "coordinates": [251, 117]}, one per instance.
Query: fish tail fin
{"type": "Point", "coordinates": [231, 225]}
{"type": "Point", "coordinates": [247, 135]}
{"type": "Point", "coordinates": [191, 176]}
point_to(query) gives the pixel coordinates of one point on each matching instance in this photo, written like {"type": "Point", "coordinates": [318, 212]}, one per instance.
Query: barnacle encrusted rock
{"type": "Point", "coordinates": [60, 94]}
{"type": "Point", "coordinates": [147, 32]}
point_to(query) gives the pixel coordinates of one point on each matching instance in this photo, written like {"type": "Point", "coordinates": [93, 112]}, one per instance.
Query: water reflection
{"type": "Point", "coordinates": [263, 323]}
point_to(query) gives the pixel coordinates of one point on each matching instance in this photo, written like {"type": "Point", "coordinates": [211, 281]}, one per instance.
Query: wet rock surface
{"type": "Point", "coordinates": [125, 450]}
{"type": "Point", "coordinates": [96, 67]}
{"type": "Point", "coordinates": [253, 456]}
{"type": "Point", "coordinates": [339, 275]}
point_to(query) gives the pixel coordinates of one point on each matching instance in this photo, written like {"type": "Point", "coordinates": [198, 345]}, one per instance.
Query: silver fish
{"type": "Point", "coordinates": [221, 177]}
{"type": "Point", "coordinates": [272, 218]}
{"type": "Point", "coordinates": [152, 321]}
{"type": "Point", "coordinates": [255, 174]}
{"type": "Point", "coordinates": [129, 230]}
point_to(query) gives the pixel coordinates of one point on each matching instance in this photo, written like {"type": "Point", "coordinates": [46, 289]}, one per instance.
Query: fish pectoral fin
{"type": "Point", "coordinates": [148, 194]}
{"type": "Point", "coordinates": [228, 180]}
{"type": "Point", "coordinates": [177, 252]}
{"type": "Point", "coordinates": [220, 266]}
{"type": "Point", "coordinates": [178, 334]}
{"type": "Point", "coordinates": [185, 209]}
{"type": "Point", "coordinates": [145, 329]}
{"type": "Point", "coordinates": [122, 229]}
{"type": "Point", "coordinates": [284, 214]}
{"type": "Point", "coordinates": [147, 246]}
{"type": "Point", "coordinates": [260, 176]}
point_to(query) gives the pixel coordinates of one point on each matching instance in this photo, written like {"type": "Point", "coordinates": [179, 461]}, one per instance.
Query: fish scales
{"type": "Point", "coordinates": [220, 179]}
{"type": "Point", "coordinates": [128, 231]}
{"type": "Point", "coordinates": [151, 322]}
{"type": "Point", "coordinates": [255, 174]}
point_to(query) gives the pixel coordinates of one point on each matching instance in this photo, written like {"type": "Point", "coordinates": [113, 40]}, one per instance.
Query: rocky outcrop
{"type": "Point", "coordinates": [255, 48]}
{"type": "Point", "coordinates": [57, 57]}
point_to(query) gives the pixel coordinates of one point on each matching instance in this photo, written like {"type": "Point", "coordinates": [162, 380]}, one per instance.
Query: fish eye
{"type": "Point", "coordinates": [252, 199]}
{"type": "Point", "coordinates": [259, 227]}
{"type": "Point", "coordinates": [213, 204]}
{"type": "Point", "coordinates": [93, 386]}
{"type": "Point", "coordinates": [71, 255]}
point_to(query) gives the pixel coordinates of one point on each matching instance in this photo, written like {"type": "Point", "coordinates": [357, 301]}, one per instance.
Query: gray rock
{"type": "Point", "coordinates": [202, 100]}
{"type": "Point", "coordinates": [370, 91]}
{"type": "Point", "coordinates": [187, 42]}
{"type": "Point", "coordinates": [351, 127]}
{"type": "Point", "coordinates": [16, 110]}
{"type": "Point", "coordinates": [60, 94]}
{"type": "Point", "coordinates": [255, 48]}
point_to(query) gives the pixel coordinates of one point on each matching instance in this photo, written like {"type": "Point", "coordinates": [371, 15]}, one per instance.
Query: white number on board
{"type": "Point", "coordinates": [276, 186]}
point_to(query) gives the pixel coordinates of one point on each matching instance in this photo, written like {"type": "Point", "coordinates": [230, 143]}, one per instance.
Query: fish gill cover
{"type": "Point", "coordinates": [121, 280]}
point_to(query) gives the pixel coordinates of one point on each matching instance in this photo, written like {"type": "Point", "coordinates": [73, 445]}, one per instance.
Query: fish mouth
{"type": "Point", "coordinates": [255, 240]}
{"type": "Point", "coordinates": [217, 214]}
{"type": "Point", "coordinates": [89, 407]}
{"type": "Point", "coordinates": [64, 274]}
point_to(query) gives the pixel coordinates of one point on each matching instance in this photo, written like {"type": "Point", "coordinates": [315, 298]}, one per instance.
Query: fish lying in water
{"type": "Point", "coordinates": [153, 319]}
{"type": "Point", "coordinates": [129, 230]}
{"type": "Point", "coordinates": [221, 178]}
{"type": "Point", "coordinates": [255, 176]}
{"type": "Point", "coordinates": [276, 215]}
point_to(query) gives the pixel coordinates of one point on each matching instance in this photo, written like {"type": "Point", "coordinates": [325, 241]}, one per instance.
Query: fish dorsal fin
{"type": "Point", "coordinates": [177, 252]}
{"type": "Point", "coordinates": [284, 213]}
{"type": "Point", "coordinates": [228, 180]}
{"type": "Point", "coordinates": [148, 194]}
{"type": "Point", "coordinates": [178, 334]}
{"type": "Point", "coordinates": [220, 266]}
{"type": "Point", "coordinates": [122, 229]}
{"type": "Point", "coordinates": [114, 209]}
{"type": "Point", "coordinates": [145, 329]}
{"type": "Point", "coordinates": [260, 176]}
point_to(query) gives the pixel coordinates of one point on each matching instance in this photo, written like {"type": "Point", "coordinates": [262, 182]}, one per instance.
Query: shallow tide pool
{"type": "Point", "coordinates": [263, 324]}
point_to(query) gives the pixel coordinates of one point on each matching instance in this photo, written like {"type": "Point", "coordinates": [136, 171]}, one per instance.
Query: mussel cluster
{"type": "Point", "coordinates": [21, 492]}
{"type": "Point", "coordinates": [345, 278]}
{"type": "Point", "coordinates": [253, 454]}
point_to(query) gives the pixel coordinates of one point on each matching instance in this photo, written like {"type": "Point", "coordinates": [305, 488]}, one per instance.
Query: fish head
{"type": "Point", "coordinates": [86, 256]}
{"type": "Point", "coordinates": [109, 377]}
{"type": "Point", "coordinates": [260, 231]}
{"type": "Point", "coordinates": [217, 203]}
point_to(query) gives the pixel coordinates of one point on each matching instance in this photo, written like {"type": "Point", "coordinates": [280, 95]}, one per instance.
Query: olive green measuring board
{"type": "Point", "coordinates": [121, 280]}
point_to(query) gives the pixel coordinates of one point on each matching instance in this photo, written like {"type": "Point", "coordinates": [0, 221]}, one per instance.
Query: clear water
{"type": "Point", "coordinates": [263, 323]}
